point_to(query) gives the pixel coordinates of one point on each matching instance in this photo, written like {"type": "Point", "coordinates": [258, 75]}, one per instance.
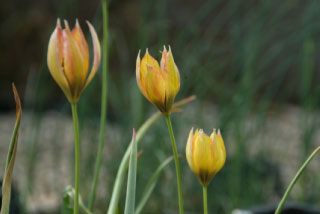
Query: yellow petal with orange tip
{"type": "Point", "coordinates": [82, 45]}
{"type": "Point", "coordinates": [155, 88]}
{"type": "Point", "coordinates": [152, 81]}
{"type": "Point", "coordinates": [172, 75]}
{"type": "Point", "coordinates": [146, 63]}
{"type": "Point", "coordinates": [54, 60]}
{"type": "Point", "coordinates": [73, 63]}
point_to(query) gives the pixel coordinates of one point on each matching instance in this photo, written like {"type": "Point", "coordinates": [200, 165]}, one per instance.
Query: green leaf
{"type": "Point", "coordinates": [113, 206]}
{"type": "Point", "coordinates": [295, 179]}
{"type": "Point", "coordinates": [151, 185]}
{"type": "Point", "coordinates": [132, 176]}
{"type": "Point", "coordinates": [6, 187]}
{"type": "Point", "coordinates": [67, 202]}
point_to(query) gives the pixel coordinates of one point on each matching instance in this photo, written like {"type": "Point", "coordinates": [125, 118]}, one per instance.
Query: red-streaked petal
{"type": "Point", "coordinates": [73, 63]}
{"type": "Point", "coordinates": [54, 58]}
{"type": "Point", "coordinates": [82, 45]}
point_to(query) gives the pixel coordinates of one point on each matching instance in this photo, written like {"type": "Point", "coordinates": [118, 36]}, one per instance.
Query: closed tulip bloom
{"type": "Point", "coordinates": [68, 59]}
{"type": "Point", "coordinates": [205, 155]}
{"type": "Point", "coordinates": [158, 83]}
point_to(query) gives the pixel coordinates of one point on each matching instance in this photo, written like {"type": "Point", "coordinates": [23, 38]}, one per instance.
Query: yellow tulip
{"type": "Point", "coordinates": [159, 84]}
{"type": "Point", "coordinates": [68, 59]}
{"type": "Point", "coordinates": [205, 155]}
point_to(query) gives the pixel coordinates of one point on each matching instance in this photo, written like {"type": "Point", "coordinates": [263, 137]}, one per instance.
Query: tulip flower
{"type": "Point", "coordinates": [159, 84]}
{"type": "Point", "coordinates": [68, 62]}
{"type": "Point", "coordinates": [68, 59]}
{"type": "Point", "coordinates": [205, 155]}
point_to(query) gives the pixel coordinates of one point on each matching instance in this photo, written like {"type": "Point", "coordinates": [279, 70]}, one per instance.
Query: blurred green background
{"type": "Point", "coordinates": [253, 66]}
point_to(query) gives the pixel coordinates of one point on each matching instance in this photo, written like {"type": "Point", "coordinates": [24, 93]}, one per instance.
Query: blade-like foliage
{"type": "Point", "coordinates": [132, 176]}
{"type": "Point", "coordinates": [151, 185]}
{"type": "Point", "coordinates": [125, 159]}
{"type": "Point", "coordinates": [6, 187]}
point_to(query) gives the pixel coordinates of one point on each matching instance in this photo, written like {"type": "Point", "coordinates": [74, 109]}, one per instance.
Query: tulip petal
{"type": "Point", "coordinates": [73, 63]}
{"type": "Point", "coordinates": [219, 152]}
{"type": "Point", "coordinates": [202, 155]}
{"type": "Point", "coordinates": [96, 54]}
{"type": "Point", "coordinates": [138, 76]}
{"type": "Point", "coordinates": [151, 62]}
{"type": "Point", "coordinates": [152, 81]}
{"type": "Point", "coordinates": [82, 45]}
{"type": "Point", "coordinates": [189, 149]}
{"type": "Point", "coordinates": [55, 59]}
{"type": "Point", "coordinates": [155, 87]}
{"type": "Point", "coordinates": [172, 75]}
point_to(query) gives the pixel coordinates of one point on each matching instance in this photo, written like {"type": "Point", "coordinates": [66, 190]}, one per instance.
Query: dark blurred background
{"type": "Point", "coordinates": [253, 66]}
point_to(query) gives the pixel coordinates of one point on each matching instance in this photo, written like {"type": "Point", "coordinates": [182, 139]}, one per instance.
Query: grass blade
{"type": "Point", "coordinates": [132, 176]}
{"type": "Point", "coordinates": [295, 179]}
{"type": "Point", "coordinates": [151, 185]}
{"type": "Point", "coordinates": [6, 187]}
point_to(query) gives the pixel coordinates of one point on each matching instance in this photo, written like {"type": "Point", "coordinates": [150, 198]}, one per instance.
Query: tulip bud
{"type": "Point", "coordinates": [68, 59]}
{"type": "Point", "coordinates": [205, 155]}
{"type": "Point", "coordinates": [159, 84]}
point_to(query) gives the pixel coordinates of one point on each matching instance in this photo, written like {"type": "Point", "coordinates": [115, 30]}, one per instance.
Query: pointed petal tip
{"type": "Point", "coordinates": [77, 25]}
{"type": "Point", "coordinates": [164, 48]}
{"type": "Point", "coordinates": [58, 22]}
{"type": "Point", "coordinates": [138, 57]}
{"type": "Point", "coordinates": [66, 25]}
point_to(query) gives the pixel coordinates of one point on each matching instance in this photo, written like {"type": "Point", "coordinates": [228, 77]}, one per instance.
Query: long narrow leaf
{"type": "Point", "coordinates": [132, 176]}
{"type": "Point", "coordinates": [151, 185]}
{"type": "Point", "coordinates": [6, 187]}
{"type": "Point", "coordinates": [295, 179]}
{"type": "Point", "coordinates": [125, 159]}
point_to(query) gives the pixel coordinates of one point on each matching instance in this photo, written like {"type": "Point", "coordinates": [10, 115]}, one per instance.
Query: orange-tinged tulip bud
{"type": "Point", "coordinates": [205, 155]}
{"type": "Point", "coordinates": [159, 84]}
{"type": "Point", "coordinates": [68, 59]}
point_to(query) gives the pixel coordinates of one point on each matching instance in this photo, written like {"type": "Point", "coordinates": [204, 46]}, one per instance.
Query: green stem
{"type": "Point", "coordinates": [103, 105]}
{"type": "Point", "coordinates": [176, 161]}
{"type": "Point", "coordinates": [77, 157]}
{"type": "Point", "coordinates": [294, 180]}
{"type": "Point", "coordinates": [205, 201]}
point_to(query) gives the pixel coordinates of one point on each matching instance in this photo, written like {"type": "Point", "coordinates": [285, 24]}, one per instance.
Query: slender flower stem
{"type": "Point", "coordinates": [103, 105]}
{"type": "Point", "coordinates": [294, 180]}
{"type": "Point", "coordinates": [77, 157]}
{"type": "Point", "coordinates": [176, 161]}
{"type": "Point", "coordinates": [205, 201]}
